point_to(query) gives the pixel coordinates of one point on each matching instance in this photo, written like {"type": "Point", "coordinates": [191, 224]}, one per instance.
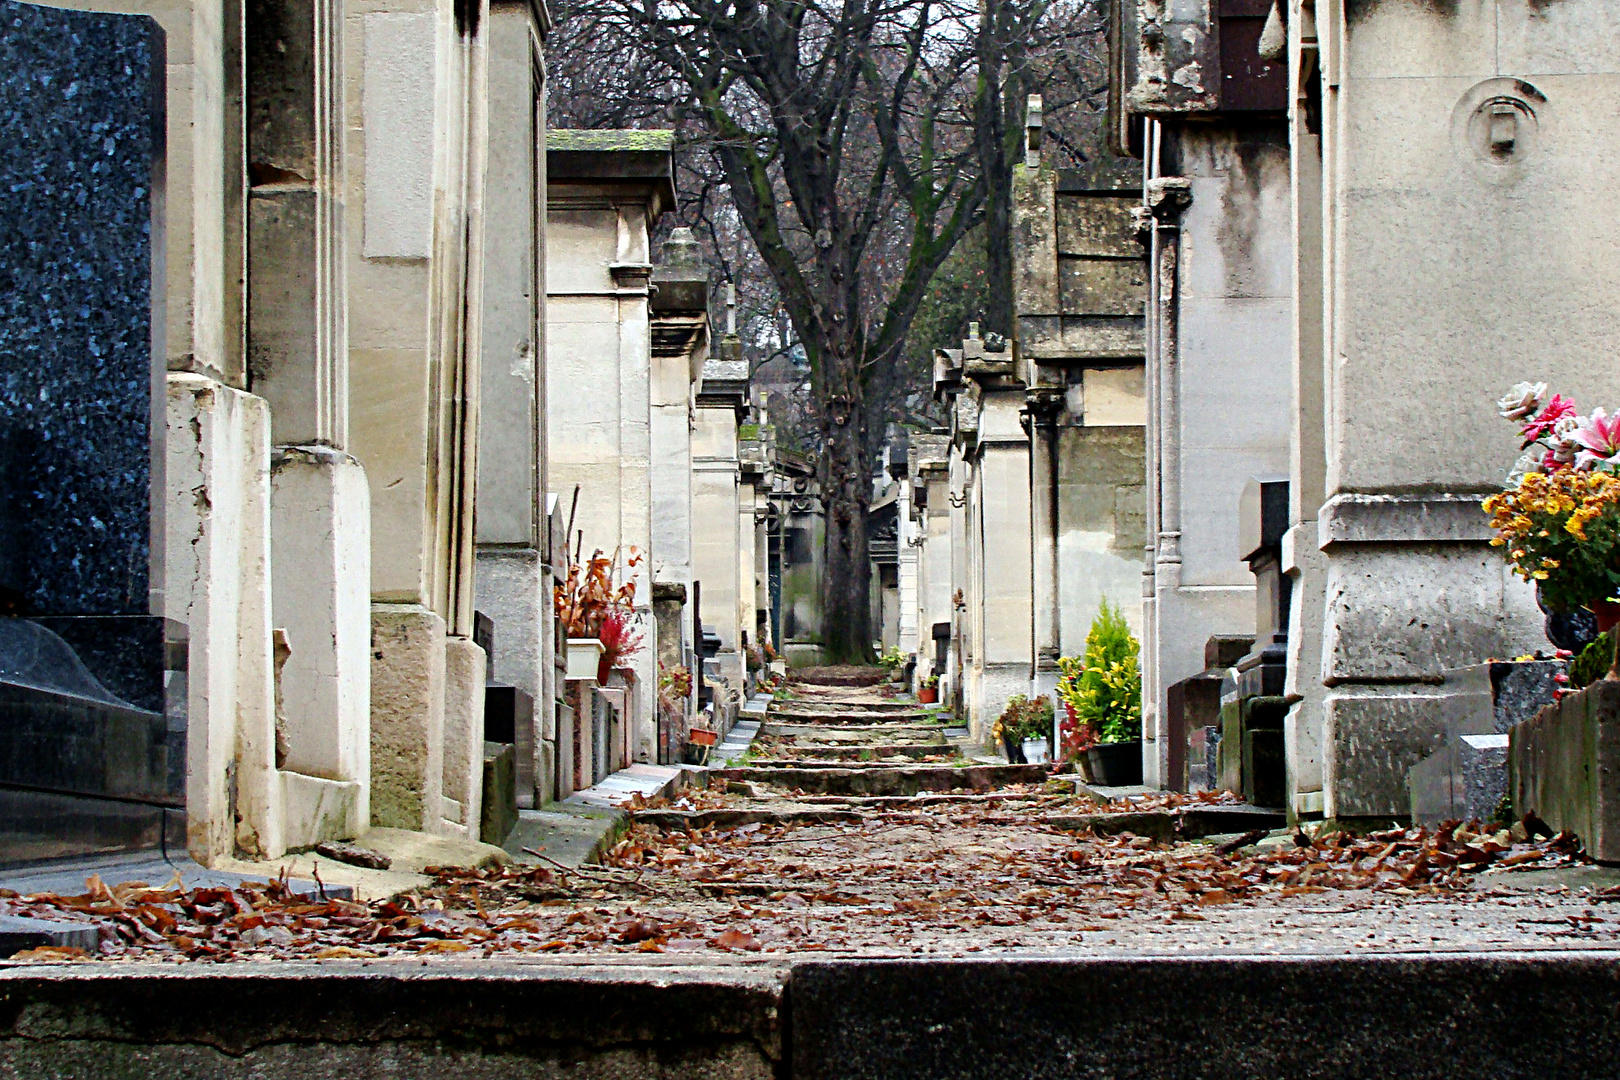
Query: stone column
{"type": "Point", "coordinates": [1456, 157]}
{"type": "Point", "coordinates": [297, 356]}
{"type": "Point", "coordinates": [717, 518]}
{"type": "Point", "coordinates": [1166, 198]}
{"type": "Point", "coordinates": [416, 149]}
{"type": "Point", "coordinates": [218, 481]}
{"type": "Point", "coordinates": [632, 278]}
{"type": "Point", "coordinates": [1043, 407]}
{"type": "Point", "coordinates": [1005, 601]}
{"type": "Point", "coordinates": [1302, 559]}
{"type": "Point", "coordinates": [512, 584]}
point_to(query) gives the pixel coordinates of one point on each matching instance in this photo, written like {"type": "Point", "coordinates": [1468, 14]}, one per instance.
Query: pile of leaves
{"type": "Point", "coordinates": [934, 879]}
{"type": "Point", "coordinates": [251, 921]}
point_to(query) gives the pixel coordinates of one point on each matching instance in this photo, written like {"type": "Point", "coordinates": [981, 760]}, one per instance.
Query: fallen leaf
{"type": "Point", "coordinates": [735, 939]}
{"type": "Point", "coordinates": [52, 952]}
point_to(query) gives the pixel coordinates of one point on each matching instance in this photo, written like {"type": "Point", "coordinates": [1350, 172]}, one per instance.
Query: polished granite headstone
{"type": "Point", "coordinates": [92, 718]}
{"type": "Point", "coordinates": [81, 121]}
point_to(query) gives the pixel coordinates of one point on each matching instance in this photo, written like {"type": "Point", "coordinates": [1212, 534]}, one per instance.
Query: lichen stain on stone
{"type": "Point", "coordinates": [1239, 224]}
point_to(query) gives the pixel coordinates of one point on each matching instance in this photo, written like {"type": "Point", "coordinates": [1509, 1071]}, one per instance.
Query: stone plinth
{"type": "Point", "coordinates": [320, 515]}
{"type": "Point", "coordinates": [407, 717]}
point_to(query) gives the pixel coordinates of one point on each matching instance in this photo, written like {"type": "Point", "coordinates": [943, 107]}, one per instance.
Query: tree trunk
{"type": "Point", "coordinates": [846, 573]}
{"type": "Point", "coordinates": [990, 134]}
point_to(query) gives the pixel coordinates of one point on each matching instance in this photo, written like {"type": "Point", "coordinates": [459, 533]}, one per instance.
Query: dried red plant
{"type": "Point", "coordinates": [620, 641]}
{"type": "Point", "coordinates": [593, 589]}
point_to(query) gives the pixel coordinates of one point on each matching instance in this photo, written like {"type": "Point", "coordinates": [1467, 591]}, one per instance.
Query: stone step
{"type": "Point", "coordinates": [892, 780]}
{"type": "Point", "coordinates": [1163, 825]}
{"type": "Point", "coordinates": [858, 753]}
{"type": "Point", "coordinates": [67, 877]}
{"type": "Point", "coordinates": [648, 781]}
{"type": "Point", "coordinates": [804, 716]}
{"type": "Point", "coordinates": [913, 733]}
{"type": "Point", "coordinates": [889, 762]}
{"type": "Point", "coordinates": [811, 705]}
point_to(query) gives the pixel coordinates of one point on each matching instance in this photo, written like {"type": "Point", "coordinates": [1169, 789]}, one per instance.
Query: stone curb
{"type": "Point", "coordinates": [355, 1019]}
{"type": "Point", "coordinates": [1426, 1016]}
{"type": "Point", "coordinates": [1414, 1016]}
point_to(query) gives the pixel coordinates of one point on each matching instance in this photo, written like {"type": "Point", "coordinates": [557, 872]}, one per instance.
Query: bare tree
{"type": "Point", "coordinates": [859, 141]}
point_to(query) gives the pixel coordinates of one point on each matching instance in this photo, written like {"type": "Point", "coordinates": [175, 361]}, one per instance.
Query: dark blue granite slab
{"type": "Point", "coordinates": [81, 150]}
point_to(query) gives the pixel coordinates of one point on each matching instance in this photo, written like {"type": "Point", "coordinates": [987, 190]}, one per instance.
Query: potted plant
{"type": "Point", "coordinates": [1558, 521]}
{"type": "Point", "coordinates": [928, 690]}
{"type": "Point", "coordinates": [1102, 695]}
{"type": "Point", "coordinates": [598, 613]}
{"type": "Point", "coordinates": [700, 743]}
{"type": "Point", "coordinates": [1024, 719]}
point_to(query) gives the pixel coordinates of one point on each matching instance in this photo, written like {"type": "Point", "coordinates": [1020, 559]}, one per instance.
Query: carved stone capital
{"type": "Point", "coordinates": [1167, 197]}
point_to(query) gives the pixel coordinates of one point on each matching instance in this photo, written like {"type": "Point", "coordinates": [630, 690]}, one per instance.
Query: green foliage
{"type": "Point", "coordinates": [894, 659]}
{"type": "Point", "coordinates": [1104, 690]}
{"type": "Point", "coordinates": [1593, 663]}
{"type": "Point", "coordinates": [958, 294]}
{"type": "Point", "coordinates": [1025, 718]}
{"type": "Point", "coordinates": [1504, 812]}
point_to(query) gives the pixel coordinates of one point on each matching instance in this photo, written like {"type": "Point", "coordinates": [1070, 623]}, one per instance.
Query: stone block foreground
{"type": "Point", "coordinates": [1414, 1015]}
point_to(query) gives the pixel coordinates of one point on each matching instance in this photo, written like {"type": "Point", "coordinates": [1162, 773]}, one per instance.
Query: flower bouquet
{"type": "Point", "coordinates": [1559, 519]}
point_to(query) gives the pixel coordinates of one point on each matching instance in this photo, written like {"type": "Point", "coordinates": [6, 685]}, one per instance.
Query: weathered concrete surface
{"type": "Point", "coordinates": [365, 1021]}
{"type": "Point", "coordinates": [1417, 1016]}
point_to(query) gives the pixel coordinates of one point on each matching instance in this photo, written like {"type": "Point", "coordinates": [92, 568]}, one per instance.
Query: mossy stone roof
{"type": "Point", "coordinates": [655, 140]}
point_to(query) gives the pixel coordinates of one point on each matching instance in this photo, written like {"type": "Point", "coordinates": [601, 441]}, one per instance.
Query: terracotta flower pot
{"type": "Point", "coordinates": [927, 695]}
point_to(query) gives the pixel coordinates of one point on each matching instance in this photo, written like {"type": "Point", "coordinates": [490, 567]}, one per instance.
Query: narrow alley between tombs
{"type": "Point", "coordinates": [917, 540]}
{"type": "Point", "coordinates": [858, 822]}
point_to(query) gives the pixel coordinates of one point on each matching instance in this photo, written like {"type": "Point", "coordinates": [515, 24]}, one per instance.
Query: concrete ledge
{"type": "Point", "coordinates": [1416, 1017]}
{"type": "Point", "coordinates": [1405, 519]}
{"type": "Point", "coordinates": [358, 1021]}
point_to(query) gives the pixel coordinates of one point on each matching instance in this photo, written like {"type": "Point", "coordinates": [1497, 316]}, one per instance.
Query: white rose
{"type": "Point", "coordinates": [1522, 400]}
{"type": "Point", "coordinates": [1561, 443]}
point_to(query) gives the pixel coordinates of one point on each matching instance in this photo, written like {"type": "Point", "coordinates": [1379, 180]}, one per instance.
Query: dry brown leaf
{"type": "Point", "coordinates": [51, 952]}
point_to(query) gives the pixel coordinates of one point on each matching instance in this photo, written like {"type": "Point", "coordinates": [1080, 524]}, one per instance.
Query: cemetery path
{"type": "Point", "coordinates": [861, 825]}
